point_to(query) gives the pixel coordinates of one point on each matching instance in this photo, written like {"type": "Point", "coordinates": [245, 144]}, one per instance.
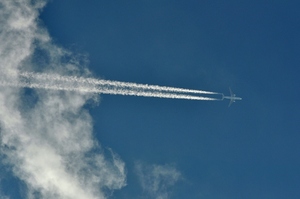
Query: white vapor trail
{"type": "Point", "coordinates": [57, 82]}
{"type": "Point", "coordinates": [112, 83]}
{"type": "Point", "coordinates": [104, 90]}
{"type": "Point", "coordinates": [80, 84]}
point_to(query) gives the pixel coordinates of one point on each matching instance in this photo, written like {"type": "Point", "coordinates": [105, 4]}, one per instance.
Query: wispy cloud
{"type": "Point", "coordinates": [48, 140]}
{"type": "Point", "coordinates": [157, 180]}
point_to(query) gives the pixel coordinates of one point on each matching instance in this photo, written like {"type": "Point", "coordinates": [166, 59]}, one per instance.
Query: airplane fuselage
{"type": "Point", "coordinates": [233, 98]}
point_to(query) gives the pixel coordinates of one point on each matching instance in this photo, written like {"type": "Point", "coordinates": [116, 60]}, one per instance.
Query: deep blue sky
{"type": "Point", "coordinates": [250, 150]}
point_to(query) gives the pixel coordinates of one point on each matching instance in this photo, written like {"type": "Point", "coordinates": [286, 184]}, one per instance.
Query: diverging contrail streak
{"type": "Point", "coordinates": [95, 82]}
{"type": "Point", "coordinates": [105, 90]}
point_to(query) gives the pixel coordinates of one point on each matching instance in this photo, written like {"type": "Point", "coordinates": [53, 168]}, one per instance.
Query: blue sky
{"type": "Point", "coordinates": [201, 149]}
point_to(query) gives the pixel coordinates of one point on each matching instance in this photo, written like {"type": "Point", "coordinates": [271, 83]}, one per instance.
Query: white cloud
{"type": "Point", "coordinates": [157, 180]}
{"type": "Point", "coordinates": [49, 143]}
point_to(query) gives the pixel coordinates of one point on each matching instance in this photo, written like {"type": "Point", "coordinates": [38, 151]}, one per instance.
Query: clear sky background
{"type": "Point", "coordinates": [250, 150]}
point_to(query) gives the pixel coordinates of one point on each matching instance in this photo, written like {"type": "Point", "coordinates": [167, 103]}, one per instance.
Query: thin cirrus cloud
{"type": "Point", "coordinates": [157, 181]}
{"type": "Point", "coordinates": [48, 143]}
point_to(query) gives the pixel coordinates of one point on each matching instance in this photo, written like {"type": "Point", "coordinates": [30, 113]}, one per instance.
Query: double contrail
{"type": "Point", "coordinates": [92, 85]}
{"type": "Point", "coordinates": [111, 83]}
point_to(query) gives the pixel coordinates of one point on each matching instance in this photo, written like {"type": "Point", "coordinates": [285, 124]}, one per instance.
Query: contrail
{"type": "Point", "coordinates": [111, 83]}
{"type": "Point", "coordinates": [116, 91]}
{"type": "Point", "coordinates": [79, 84]}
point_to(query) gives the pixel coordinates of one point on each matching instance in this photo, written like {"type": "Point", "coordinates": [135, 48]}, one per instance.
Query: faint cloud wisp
{"type": "Point", "coordinates": [157, 180]}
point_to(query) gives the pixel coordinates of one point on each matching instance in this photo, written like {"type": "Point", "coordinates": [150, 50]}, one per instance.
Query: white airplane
{"type": "Point", "coordinates": [232, 97]}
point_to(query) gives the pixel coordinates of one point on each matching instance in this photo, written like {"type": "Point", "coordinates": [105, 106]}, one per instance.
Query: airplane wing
{"type": "Point", "coordinates": [231, 93]}
{"type": "Point", "coordinates": [231, 101]}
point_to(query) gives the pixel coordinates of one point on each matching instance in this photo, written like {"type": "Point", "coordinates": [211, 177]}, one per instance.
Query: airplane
{"type": "Point", "coordinates": [232, 97]}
